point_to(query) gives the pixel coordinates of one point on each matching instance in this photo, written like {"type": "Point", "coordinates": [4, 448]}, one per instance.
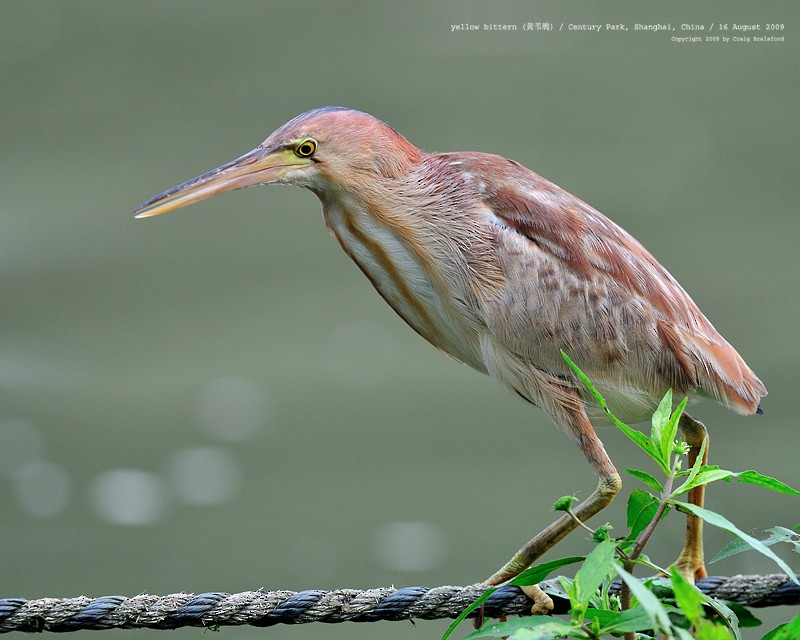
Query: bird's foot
{"type": "Point", "coordinates": [691, 565]}
{"type": "Point", "coordinates": [542, 603]}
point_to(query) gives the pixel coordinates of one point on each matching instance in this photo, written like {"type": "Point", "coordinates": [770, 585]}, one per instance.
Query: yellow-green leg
{"type": "Point", "coordinates": [606, 489]}
{"type": "Point", "coordinates": [690, 562]}
{"type": "Point", "coordinates": [578, 425]}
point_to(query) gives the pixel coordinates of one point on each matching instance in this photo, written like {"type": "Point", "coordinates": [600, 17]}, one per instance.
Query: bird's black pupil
{"type": "Point", "coordinates": [306, 149]}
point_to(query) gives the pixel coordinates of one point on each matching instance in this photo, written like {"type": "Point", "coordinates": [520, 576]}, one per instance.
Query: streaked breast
{"type": "Point", "coordinates": [407, 278]}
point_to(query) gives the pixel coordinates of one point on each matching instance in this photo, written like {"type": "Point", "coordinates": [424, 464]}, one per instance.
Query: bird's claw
{"type": "Point", "coordinates": [542, 603]}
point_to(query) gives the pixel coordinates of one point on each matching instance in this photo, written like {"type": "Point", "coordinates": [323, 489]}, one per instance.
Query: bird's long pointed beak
{"type": "Point", "coordinates": [259, 166]}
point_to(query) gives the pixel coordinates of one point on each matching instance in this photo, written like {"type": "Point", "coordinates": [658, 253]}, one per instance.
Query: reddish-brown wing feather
{"type": "Point", "coordinates": [589, 246]}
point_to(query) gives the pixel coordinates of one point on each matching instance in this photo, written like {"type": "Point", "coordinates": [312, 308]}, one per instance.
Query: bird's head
{"type": "Point", "coordinates": [323, 150]}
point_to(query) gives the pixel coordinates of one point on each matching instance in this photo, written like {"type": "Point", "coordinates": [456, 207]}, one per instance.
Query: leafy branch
{"type": "Point", "coordinates": [668, 606]}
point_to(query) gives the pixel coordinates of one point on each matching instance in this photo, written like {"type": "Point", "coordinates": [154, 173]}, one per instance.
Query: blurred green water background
{"type": "Point", "coordinates": [217, 400]}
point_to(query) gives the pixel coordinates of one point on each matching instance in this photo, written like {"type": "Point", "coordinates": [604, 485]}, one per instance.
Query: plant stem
{"type": "Point", "coordinates": [628, 563]}
{"type": "Point", "coordinates": [579, 521]}
{"type": "Point", "coordinates": [662, 506]}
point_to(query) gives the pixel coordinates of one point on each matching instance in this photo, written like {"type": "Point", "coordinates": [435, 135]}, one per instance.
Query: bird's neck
{"type": "Point", "coordinates": [398, 247]}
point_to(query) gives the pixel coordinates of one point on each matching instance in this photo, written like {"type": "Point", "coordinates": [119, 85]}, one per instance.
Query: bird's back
{"type": "Point", "coordinates": [574, 280]}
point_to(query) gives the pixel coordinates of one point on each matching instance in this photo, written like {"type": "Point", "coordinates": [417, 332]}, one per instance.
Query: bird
{"type": "Point", "coordinates": [503, 270]}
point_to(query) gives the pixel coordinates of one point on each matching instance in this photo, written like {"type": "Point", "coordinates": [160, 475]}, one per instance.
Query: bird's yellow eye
{"type": "Point", "coordinates": [306, 148]}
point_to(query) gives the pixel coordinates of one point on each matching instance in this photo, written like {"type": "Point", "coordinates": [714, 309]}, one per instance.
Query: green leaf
{"type": "Point", "coordinates": [710, 631]}
{"type": "Point", "coordinates": [590, 576]}
{"type": "Point", "coordinates": [638, 438]}
{"type": "Point", "coordinates": [745, 616]}
{"type": "Point", "coordinates": [568, 586]}
{"type": "Point", "coordinates": [722, 522]}
{"type": "Point", "coordinates": [644, 560]}
{"type": "Point", "coordinates": [550, 631]}
{"type": "Point", "coordinates": [642, 509]}
{"type": "Point", "coordinates": [670, 432]}
{"type": "Point", "coordinates": [665, 426]}
{"type": "Point", "coordinates": [753, 477]}
{"type": "Point", "coordinates": [551, 626]}
{"type": "Point", "coordinates": [687, 597]}
{"type": "Point", "coordinates": [564, 503]}
{"type": "Point", "coordinates": [585, 379]}
{"type": "Point", "coordinates": [725, 613]}
{"type": "Point", "coordinates": [484, 597]}
{"type": "Point", "coordinates": [660, 419]}
{"type": "Point", "coordinates": [711, 474]}
{"type": "Point", "coordinates": [786, 631]}
{"type": "Point", "coordinates": [691, 600]}
{"type": "Point", "coordinates": [601, 616]}
{"type": "Point", "coordinates": [733, 548]}
{"type": "Point", "coordinates": [644, 443]}
{"type": "Point", "coordinates": [649, 480]}
{"type": "Point", "coordinates": [776, 535]}
{"type": "Point", "coordinates": [656, 613]}
{"type": "Point", "coordinates": [602, 533]}
{"type": "Point", "coordinates": [630, 620]}
{"type": "Point", "coordinates": [538, 572]}
{"type": "Point", "coordinates": [698, 463]}
{"type": "Point", "coordinates": [786, 534]}
{"type": "Point", "coordinates": [531, 575]}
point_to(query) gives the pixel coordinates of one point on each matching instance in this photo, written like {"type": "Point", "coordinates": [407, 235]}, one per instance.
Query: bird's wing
{"type": "Point", "coordinates": [582, 283]}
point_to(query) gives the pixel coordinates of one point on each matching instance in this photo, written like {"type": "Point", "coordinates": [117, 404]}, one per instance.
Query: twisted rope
{"type": "Point", "coordinates": [267, 608]}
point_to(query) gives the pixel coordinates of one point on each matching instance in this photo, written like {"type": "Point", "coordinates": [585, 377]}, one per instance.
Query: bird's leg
{"type": "Point", "coordinates": [690, 563]}
{"type": "Point", "coordinates": [578, 425]}
{"type": "Point", "coordinates": [600, 498]}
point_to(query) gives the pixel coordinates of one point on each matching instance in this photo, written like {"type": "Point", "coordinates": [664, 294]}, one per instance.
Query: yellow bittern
{"type": "Point", "coordinates": [502, 270]}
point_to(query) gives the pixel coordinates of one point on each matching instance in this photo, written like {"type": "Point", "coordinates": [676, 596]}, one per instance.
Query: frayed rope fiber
{"type": "Point", "coordinates": [267, 608]}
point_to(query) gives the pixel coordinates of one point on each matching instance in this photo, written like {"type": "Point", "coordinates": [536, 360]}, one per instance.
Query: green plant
{"type": "Point", "coordinates": [666, 606]}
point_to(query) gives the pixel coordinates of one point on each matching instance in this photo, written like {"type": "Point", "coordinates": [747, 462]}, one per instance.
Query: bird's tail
{"type": "Point", "coordinates": [726, 377]}
{"type": "Point", "coordinates": [713, 367]}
